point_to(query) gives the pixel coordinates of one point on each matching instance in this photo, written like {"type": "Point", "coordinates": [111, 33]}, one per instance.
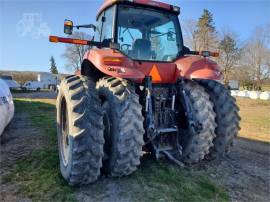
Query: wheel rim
{"type": "Point", "coordinates": [64, 132]}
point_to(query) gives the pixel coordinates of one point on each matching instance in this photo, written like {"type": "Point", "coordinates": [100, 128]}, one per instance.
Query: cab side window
{"type": "Point", "coordinates": [107, 27]}
{"type": "Point", "coordinates": [98, 29]}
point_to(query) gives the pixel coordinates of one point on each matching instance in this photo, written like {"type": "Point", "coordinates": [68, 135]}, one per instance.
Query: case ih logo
{"type": "Point", "coordinates": [33, 25]}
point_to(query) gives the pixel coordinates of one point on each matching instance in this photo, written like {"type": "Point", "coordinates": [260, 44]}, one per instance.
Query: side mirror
{"type": "Point", "coordinates": [68, 27]}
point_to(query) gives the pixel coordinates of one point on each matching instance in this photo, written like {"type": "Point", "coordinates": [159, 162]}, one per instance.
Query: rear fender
{"type": "Point", "coordinates": [90, 70]}
{"type": "Point", "coordinates": [95, 59]}
{"type": "Point", "coordinates": [197, 67]}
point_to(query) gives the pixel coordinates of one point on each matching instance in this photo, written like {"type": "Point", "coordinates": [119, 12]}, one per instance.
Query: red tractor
{"type": "Point", "coordinates": [140, 89]}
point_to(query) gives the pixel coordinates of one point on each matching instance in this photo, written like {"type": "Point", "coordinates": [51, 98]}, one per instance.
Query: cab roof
{"type": "Point", "coordinates": [147, 3]}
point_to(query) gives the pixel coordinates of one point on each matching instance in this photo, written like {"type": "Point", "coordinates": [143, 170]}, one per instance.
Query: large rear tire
{"type": "Point", "coordinates": [196, 146]}
{"type": "Point", "coordinates": [227, 118]}
{"type": "Point", "coordinates": [79, 130]}
{"type": "Point", "coordinates": [123, 123]}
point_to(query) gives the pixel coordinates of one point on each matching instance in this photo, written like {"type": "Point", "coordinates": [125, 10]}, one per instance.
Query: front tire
{"type": "Point", "coordinates": [79, 130]}
{"type": "Point", "coordinates": [123, 123]}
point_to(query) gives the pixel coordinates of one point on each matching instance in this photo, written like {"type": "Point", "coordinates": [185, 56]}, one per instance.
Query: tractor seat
{"type": "Point", "coordinates": [142, 49]}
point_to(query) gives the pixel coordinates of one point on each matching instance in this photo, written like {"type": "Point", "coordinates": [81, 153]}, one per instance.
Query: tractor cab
{"type": "Point", "coordinates": [141, 31]}
{"type": "Point", "coordinates": [139, 38]}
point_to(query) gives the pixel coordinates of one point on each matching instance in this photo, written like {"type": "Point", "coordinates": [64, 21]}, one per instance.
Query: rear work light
{"type": "Point", "coordinates": [122, 0]}
{"type": "Point", "coordinates": [176, 9]}
{"type": "Point", "coordinates": [205, 53]}
{"type": "Point", "coordinates": [209, 53]}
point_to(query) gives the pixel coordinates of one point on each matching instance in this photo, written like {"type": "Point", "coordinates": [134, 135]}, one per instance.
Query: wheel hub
{"type": "Point", "coordinates": [64, 134]}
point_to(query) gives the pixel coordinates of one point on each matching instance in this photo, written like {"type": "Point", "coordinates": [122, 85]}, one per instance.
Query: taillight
{"type": "Point", "coordinates": [112, 61]}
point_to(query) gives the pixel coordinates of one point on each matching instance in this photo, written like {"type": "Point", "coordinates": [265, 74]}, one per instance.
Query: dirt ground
{"type": "Point", "coordinates": [17, 141]}
{"type": "Point", "coordinates": [245, 173]}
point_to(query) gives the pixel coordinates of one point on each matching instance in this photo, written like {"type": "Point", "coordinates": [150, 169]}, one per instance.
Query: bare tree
{"type": "Point", "coordinates": [189, 33]}
{"type": "Point", "coordinates": [256, 55]}
{"type": "Point", "coordinates": [74, 53]}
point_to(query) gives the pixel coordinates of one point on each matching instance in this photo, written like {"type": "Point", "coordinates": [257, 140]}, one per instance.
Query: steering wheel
{"type": "Point", "coordinates": [125, 45]}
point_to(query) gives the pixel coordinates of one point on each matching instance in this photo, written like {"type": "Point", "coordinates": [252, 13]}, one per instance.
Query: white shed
{"type": "Point", "coordinates": [48, 78]}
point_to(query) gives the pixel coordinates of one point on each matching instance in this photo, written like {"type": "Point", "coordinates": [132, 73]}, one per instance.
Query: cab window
{"type": "Point", "coordinates": [98, 29]}
{"type": "Point", "coordinates": [104, 30]}
{"type": "Point", "coordinates": [107, 27]}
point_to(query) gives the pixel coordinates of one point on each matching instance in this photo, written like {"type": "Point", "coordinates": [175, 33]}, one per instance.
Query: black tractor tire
{"type": "Point", "coordinates": [196, 146]}
{"type": "Point", "coordinates": [123, 123]}
{"type": "Point", "coordinates": [79, 130]}
{"type": "Point", "coordinates": [227, 117]}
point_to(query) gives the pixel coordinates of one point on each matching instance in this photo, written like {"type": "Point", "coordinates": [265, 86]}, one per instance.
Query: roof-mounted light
{"type": "Point", "coordinates": [123, 0]}
{"type": "Point", "coordinates": [209, 53]}
{"type": "Point", "coordinates": [176, 9]}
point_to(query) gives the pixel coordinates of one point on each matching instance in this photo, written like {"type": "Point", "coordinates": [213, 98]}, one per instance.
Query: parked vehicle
{"type": "Point", "coordinates": [33, 85]}
{"type": "Point", "coordinates": [12, 84]}
{"type": "Point", "coordinates": [131, 93]}
{"type": "Point", "coordinates": [6, 106]}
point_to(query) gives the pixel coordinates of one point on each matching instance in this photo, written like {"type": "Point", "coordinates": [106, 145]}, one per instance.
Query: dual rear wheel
{"type": "Point", "coordinates": [100, 126]}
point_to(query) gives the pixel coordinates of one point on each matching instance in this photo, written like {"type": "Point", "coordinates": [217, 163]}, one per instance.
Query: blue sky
{"type": "Point", "coordinates": [30, 50]}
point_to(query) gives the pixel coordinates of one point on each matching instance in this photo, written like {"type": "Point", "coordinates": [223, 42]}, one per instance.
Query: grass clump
{"type": "Point", "coordinates": [165, 182]}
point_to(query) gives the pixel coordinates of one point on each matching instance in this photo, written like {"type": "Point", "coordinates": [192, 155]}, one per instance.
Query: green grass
{"type": "Point", "coordinates": [38, 175]}
{"type": "Point", "coordinates": [255, 119]}
{"type": "Point", "coordinates": [167, 182]}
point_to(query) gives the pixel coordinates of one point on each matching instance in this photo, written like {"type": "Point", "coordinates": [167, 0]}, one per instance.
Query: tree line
{"type": "Point", "coordinates": [248, 63]}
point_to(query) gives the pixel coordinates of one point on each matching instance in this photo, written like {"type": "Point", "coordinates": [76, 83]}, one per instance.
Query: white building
{"type": "Point", "coordinates": [48, 79]}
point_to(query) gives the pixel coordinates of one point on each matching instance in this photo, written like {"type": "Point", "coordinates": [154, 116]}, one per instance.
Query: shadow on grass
{"type": "Point", "coordinates": [168, 182]}
{"type": "Point", "coordinates": [254, 145]}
